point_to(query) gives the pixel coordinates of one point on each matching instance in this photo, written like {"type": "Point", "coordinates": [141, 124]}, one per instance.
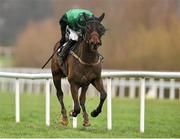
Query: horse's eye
{"type": "Point", "coordinates": [101, 30]}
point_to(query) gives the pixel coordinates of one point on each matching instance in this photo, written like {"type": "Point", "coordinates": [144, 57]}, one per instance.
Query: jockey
{"type": "Point", "coordinates": [71, 18]}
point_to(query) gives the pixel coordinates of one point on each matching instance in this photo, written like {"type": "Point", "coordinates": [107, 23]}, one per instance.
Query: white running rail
{"type": "Point", "coordinates": [142, 75]}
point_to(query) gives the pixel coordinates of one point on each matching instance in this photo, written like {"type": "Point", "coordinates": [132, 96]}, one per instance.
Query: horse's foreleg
{"type": "Point", "coordinates": [59, 93]}
{"type": "Point", "coordinates": [74, 93]}
{"type": "Point", "coordinates": [98, 84]}
{"type": "Point", "coordinates": [82, 103]}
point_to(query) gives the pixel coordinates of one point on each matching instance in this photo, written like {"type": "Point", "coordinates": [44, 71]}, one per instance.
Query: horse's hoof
{"type": "Point", "coordinates": [86, 123]}
{"type": "Point", "coordinates": [94, 113]}
{"type": "Point", "coordinates": [64, 121]}
{"type": "Point", "coordinates": [73, 114]}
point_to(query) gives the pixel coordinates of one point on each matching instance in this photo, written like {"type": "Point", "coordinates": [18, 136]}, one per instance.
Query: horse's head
{"type": "Point", "coordinates": [93, 31]}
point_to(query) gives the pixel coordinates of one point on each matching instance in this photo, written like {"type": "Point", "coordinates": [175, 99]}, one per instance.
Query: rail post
{"type": "Point", "coordinates": [17, 100]}
{"type": "Point", "coordinates": [47, 102]}
{"type": "Point", "coordinates": [74, 122]}
{"type": "Point", "coordinates": [109, 105]}
{"type": "Point", "coordinates": [142, 104]}
{"type": "Point", "coordinates": [74, 119]}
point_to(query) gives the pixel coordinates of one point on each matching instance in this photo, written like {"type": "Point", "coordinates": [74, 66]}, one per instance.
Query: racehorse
{"type": "Point", "coordinates": [83, 68]}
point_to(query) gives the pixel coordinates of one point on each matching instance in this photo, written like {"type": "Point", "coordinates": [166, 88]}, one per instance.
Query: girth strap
{"type": "Point", "coordinates": [84, 63]}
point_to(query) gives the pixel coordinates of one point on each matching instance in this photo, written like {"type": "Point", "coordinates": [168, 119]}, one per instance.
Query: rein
{"type": "Point", "coordinates": [100, 58]}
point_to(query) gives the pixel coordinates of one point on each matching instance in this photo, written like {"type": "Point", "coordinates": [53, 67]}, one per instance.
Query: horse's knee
{"type": "Point", "coordinates": [59, 95]}
{"type": "Point", "coordinates": [103, 96]}
{"type": "Point", "coordinates": [81, 101]}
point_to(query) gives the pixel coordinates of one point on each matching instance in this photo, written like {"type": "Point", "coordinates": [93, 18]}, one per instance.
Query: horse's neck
{"type": "Point", "coordinates": [85, 53]}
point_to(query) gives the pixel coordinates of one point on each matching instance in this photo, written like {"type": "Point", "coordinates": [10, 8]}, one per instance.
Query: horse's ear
{"type": "Point", "coordinates": [85, 17]}
{"type": "Point", "coordinates": [101, 17]}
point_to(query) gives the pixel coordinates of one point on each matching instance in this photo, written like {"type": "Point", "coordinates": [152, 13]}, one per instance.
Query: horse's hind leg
{"type": "Point", "coordinates": [59, 93]}
{"type": "Point", "coordinates": [98, 84]}
{"type": "Point", "coordinates": [82, 103]}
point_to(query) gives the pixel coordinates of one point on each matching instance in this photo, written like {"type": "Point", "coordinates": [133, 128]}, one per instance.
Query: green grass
{"type": "Point", "coordinates": [162, 118]}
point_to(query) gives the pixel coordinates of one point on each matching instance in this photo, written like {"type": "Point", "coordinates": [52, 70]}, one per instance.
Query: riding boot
{"type": "Point", "coordinates": [64, 52]}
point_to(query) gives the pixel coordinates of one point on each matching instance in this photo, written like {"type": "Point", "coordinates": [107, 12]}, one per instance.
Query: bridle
{"type": "Point", "coordinates": [84, 35]}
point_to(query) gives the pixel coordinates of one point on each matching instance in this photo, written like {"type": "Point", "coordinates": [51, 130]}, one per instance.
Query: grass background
{"type": "Point", "coordinates": [162, 118]}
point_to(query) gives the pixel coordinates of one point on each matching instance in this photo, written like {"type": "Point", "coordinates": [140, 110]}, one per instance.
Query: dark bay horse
{"type": "Point", "coordinates": [83, 68]}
